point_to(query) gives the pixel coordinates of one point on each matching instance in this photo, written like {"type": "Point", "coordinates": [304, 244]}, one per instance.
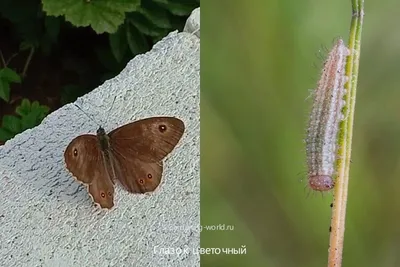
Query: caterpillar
{"type": "Point", "coordinates": [326, 114]}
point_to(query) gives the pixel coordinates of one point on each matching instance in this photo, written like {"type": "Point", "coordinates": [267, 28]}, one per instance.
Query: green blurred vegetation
{"type": "Point", "coordinates": [260, 59]}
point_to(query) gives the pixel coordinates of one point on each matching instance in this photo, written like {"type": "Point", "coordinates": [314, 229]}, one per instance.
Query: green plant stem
{"type": "Point", "coordinates": [28, 61]}
{"type": "Point", "coordinates": [345, 139]}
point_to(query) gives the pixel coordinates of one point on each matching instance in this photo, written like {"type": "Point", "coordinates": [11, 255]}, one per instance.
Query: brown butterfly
{"type": "Point", "coordinates": [131, 154]}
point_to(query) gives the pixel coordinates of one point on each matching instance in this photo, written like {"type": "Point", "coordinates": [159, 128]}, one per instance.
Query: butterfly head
{"type": "Point", "coordinates": [100, 132]}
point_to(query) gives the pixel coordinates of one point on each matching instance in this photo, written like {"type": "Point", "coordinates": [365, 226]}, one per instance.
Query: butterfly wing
{"type": "Point", "coordinates": [138, 149]}
{"type": "Point", "coordinates": [84, 159]}
{"type": "Point", "coordinates": [149, 140]}
{"type": "Point", "coordinates": [137, 176]}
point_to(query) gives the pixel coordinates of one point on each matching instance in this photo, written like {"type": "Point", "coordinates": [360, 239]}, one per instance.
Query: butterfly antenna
{"type": "Point", "coordinates": [109, 111]}
{"type": "Point", "coordinates": [90, 117]}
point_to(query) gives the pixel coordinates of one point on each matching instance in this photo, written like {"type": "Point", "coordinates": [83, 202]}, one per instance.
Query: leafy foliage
{"type": "Point", "coordinates": [56, 48]}
{"type": "Point", "coordinates": [126, 21]}
{"type": "Point", "coordinates": [30, 115]}
{"type": "Point", "coordinates": [7, 76]}
{"type": "Point", "coordinates": [101, 15]}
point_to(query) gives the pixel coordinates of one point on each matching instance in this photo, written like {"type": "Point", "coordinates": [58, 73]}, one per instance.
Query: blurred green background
{"type": "Point", "coordinates": [260, 59]}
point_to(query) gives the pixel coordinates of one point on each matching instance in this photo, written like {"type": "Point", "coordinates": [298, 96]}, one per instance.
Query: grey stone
{"type": "Point", "coordinates": [193, 23]}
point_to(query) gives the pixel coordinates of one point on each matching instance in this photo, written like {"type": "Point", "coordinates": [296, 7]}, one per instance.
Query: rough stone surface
{"type": "Point", "coordinates": [48, 219]}
{"type": "Point", "coordinates": [193, 23]}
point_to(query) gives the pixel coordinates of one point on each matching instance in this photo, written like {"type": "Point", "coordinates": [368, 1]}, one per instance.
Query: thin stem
{"type": "Point", "coordinates": [12, 56]}
{"type": "Point", "coordinates": [32, 50]}
{"type": "Point", "coordinates": [5, 64]}
{"type": "Point", "coordinates": [2, 59]}
{"type": "Point", "coordinates": [345, 139]}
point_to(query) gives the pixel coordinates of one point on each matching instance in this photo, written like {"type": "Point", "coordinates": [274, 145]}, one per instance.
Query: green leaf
{"type": "Point", "coordinates": [118, 43]}
{"type": "Point", "coordinates": [30, 120]}
{"type": "Point", "coordinates": [178, 7]}
{"type": "Point", "coordinates": [159, 16]}
{"type": "Point", "coordinates": [101, 15]}
{"type": "Point", "coordinates": [5, 134]}
{"type": "Point", "coordinates": [144, 25]}
{"type": "Point", "coordinates": [24, 108]}
{"type": "Point", "coordinates": [11, 123]}
{"type": "Point", "coordinates": [8, 75]}
{"type": "Point", "coordinates": [35, 105]}
{"type": "Point", "coordinates": [44, 110]}
{"type": "Point", "coordinates": [136, 40]}
{"type": "Point", "coordinates": [30, 116]}
{"type": "Point", "coordinates": [34, 116]}
{"type": "Point", "coordinates": [4, 90]}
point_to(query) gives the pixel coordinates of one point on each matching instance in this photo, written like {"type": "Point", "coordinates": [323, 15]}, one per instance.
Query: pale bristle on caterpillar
{"type": "Point", "coordinates": [326, 114]}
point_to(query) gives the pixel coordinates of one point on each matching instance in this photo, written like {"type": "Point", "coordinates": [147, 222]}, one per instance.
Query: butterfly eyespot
{"type": "Point", "coordinates": [103, 195]}
{"type": "Point", "coordinates": [141, 181]}
{"type": "Point", "coordinates": [149, 176]}
{"type": "Point", "coordinates": [75, 152]}
{"type": "Point", "coordinates": [162, 128]}
{"type": "Point", "coordinates": [109, 194]}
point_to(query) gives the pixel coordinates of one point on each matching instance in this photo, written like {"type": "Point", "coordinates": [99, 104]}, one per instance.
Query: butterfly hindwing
{"type": "Point", "coordinates": [137, 176]}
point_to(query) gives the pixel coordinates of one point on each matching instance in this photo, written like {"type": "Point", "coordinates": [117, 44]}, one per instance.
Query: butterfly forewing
{"type": "Point", "coordinates": [85, 161]}
{"type": "Point", "coordinates": [80, 151]}
{"type": "Point", "coordinates": [148, 140]}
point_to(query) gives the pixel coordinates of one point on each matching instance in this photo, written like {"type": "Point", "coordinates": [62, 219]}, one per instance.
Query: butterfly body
{"type": "Point", "coordinates": [103, 138]}
{"type": "Point", "coordinates": [131, 154]}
